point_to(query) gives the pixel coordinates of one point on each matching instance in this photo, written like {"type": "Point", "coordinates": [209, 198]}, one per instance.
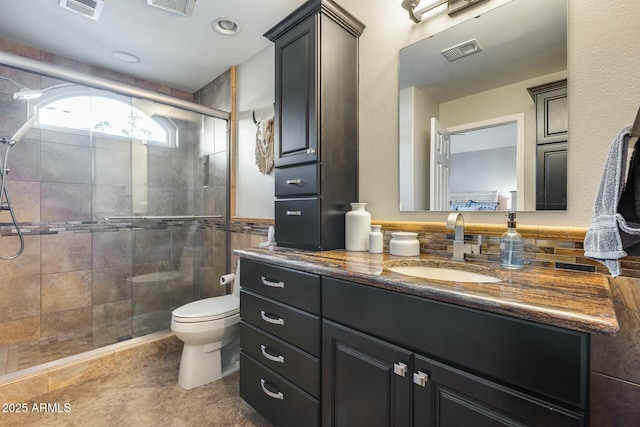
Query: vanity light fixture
{"type": "Point", "coordinates": [455, 6]}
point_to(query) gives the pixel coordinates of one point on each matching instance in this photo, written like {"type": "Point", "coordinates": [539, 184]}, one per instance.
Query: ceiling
{"type": "Point", "coordinates": [183, 52]}
{"type": "Point", "coordinates": [519, 40]}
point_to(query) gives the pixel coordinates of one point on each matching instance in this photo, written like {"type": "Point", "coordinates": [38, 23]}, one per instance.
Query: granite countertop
{"type": "Point", "coordinates": [567, 299]}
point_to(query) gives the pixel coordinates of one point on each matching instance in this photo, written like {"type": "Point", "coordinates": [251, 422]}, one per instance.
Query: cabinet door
{"type": "Point", "coordinates": [296, 98]}
{"type": "Point", "coordinates": [551, 176]}
{"type": "Point", "coordinates": [552, 117]}
{"type": "Point", "coordinates": [365, 381]}
{"type": "Point", "coordinates": [448, 397]}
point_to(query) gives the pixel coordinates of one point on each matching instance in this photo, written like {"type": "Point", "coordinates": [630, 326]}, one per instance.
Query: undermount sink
{"type": "Point", "coordinates": [448, 274]}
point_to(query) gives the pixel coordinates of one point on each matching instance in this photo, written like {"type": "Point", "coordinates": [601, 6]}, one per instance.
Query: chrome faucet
{"type": "Point", "coordinates": [455, 221]}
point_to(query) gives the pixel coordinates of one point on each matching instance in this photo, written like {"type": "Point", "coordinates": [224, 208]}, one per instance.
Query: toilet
{"type": "Point", "coordinates": [209, 330]}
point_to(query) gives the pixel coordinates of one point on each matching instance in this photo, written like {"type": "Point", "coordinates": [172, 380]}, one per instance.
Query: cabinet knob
{"type": "Point", "coordinates": [400, 369]}
{"type": "Point", "coordinates": [420, 378]}
{"type": "Point", "coordinates": [269, 393]}
{"type": "Point", "coordinates": [311, 151]}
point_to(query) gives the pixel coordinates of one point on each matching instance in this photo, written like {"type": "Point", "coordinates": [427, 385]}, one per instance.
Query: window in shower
{"type": "Point", "coordinates": [87, 110]}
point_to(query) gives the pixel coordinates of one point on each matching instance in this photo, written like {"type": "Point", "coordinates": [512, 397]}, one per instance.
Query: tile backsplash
{"type": "Point", "coordinates": [545, 246]}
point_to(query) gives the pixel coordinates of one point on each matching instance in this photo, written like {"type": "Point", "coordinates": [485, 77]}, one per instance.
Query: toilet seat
{"type": "Point", "coordinates": [207, 309]}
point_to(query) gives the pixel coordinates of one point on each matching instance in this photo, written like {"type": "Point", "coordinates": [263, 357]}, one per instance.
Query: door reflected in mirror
{"type": "Point", "coordinates": [481, 132]}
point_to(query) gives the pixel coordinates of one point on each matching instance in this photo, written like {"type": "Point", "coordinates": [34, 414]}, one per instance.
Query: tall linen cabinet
{"type": "Point", "coordinates": [316, 126]}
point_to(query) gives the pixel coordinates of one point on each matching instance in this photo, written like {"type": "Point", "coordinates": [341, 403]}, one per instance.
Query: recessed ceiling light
{"type": "Point", "coordinates": [226, 26]}
{"type": "Point", "coordinates": [126, 57]}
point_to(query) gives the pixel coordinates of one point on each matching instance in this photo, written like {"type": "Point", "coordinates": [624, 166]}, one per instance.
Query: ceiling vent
{"type": "Point", "coordinates": [461, 50]}
{"type": "Point", "coordinates": [180, 7]}
{"type": "Point", "coordinates": [89, 8]}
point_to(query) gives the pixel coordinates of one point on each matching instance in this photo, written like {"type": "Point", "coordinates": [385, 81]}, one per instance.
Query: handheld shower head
{"type": "Point", "coordinates": [23, 130]}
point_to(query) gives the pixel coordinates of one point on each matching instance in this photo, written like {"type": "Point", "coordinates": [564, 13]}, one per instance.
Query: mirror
{"type": "Point", "coordinates": [487, 130]}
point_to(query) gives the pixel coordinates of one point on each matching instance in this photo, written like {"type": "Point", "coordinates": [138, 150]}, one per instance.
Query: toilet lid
{"type": "Point", "coordinates": [207, 309]}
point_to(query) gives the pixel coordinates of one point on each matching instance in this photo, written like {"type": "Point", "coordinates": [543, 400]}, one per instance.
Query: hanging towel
{"type": "Point", "coordinates": [615, 220]}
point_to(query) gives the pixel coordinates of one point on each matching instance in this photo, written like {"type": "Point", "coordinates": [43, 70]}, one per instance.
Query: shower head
{"type": "Point", "coordinates": [23, 130]}
{"type": "Point", "coordinates": [25, 94]}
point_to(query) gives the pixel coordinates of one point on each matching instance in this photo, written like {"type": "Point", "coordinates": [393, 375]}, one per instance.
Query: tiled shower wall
{"type": "Point", "coordinates": [79, 275]}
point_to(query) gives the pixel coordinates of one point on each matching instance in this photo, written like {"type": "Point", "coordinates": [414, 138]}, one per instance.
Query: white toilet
{"type": "Point", "coordinates": [209, 330]}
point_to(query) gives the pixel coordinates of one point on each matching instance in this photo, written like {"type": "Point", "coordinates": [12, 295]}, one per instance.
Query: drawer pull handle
{"type": "Point", "coordinates": [294, 213]}
{"type": "Point", "coordinates": [294, 181]}
{"type": "Point", "coordinates": [278, 321]}
{"type": "Point", "coordinates": [267, 282]}
{"type": "Point", "coordinates": [311, 151]}
{"type": "Point", "coordinates": [277, 395]}
{"type": "Point", "coordinates": [420, 378]}
{"type": "Point", "coordinates": [279, 359]}
{"type": "Point", "coordinates": [400, 369]}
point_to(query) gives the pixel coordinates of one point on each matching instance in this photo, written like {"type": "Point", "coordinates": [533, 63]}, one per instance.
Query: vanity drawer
{"type": "Point", "coordinates": [292, 325]}
{"type": "Point", "coordinates": [292, 363]}
{"type": "Point", "coordinates": [301, 290]}
{"type": "Point", "coordinates": [298, 223]}
{"type": "Point", "coordinates": [297, 180]}
{"type": "Point", "coordinates": [278, 400]}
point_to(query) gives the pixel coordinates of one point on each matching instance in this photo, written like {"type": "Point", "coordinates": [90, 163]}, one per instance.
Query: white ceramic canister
{"type": "Point", "coordinates": [376, 239]}
{"type": "Point", "coordinates": [357, 225]}
{"type": "Point", "coordinates": [404, 243]}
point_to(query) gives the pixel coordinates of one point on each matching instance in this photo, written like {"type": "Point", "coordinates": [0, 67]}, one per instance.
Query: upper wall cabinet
{"type": "Point", "coordinates": [296, 101]}
{"type": "Point", "coordinates": [316, 126]}
{"type": "Point", "coordinates": [316, 81]}
{"type": "Point", "coordinates": [552, 128]}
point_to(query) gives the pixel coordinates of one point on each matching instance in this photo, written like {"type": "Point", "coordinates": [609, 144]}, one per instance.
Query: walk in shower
{"type": "Point", "coordinates": [123, 204]}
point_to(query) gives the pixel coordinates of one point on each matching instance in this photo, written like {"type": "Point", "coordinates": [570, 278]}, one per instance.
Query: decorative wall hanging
{"type": "Point", "coordinates": [264, 144]}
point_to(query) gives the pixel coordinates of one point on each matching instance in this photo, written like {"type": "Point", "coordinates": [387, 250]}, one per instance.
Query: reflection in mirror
{"type": "Point", "coordinates": [510, 65]}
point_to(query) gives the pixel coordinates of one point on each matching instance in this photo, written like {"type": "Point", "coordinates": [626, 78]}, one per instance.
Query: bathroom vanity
{"type": "Point", "coordinates": [335, 338]}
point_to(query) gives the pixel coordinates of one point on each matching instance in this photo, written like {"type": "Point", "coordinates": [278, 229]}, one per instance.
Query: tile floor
{"type": "Point", "coordinates": [23, 355]}
{"type": "Point", "coordinates": [149, 396]}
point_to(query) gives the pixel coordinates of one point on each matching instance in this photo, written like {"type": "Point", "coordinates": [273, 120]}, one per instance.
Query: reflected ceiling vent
{"type": "Point", "coordinates": [89, 8]}
{"type": "Point", "coordinates": [180, 7]}
{"type": "Point", "coordinates": [461, 50]}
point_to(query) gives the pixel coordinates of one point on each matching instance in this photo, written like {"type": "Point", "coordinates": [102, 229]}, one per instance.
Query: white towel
{"type": "Point", "coordinates": [609, 232]}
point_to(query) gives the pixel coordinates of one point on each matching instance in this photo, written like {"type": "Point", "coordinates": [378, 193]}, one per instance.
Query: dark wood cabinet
{"type": "Point", "coordinates": [552, 126]}
{"type": "Point", "coordinates": [280, 343]}
{"type": "Point", "coordinates": [316, 350]}
{"type": "Point", "coordinates": [366, 381]}
{"type": "Point", "coordinates": [316, 124]}
{"type": "Point", "coordinates": [448, 397]}
{"type": "Point", "coordinates": [436, 364]}
{"type": "Point", "coordinates": [551, 176]}
{"type": "Point", "coordinates": [296, 99]}
{"type": "Point", "coordinates": [369, 382]}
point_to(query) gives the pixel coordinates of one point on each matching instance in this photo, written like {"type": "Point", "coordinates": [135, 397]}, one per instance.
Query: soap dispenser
{"type": "Point", "coordinates": [512, 246]}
